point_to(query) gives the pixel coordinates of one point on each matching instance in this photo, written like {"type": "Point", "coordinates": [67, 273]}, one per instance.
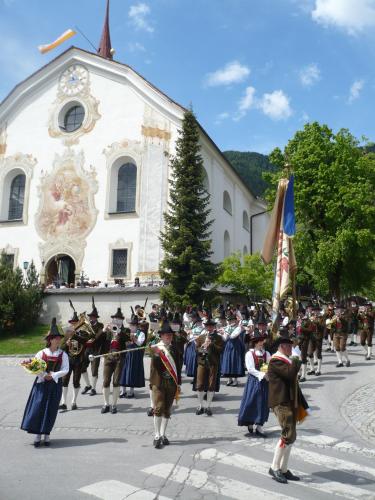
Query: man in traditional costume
{"type": "Point", "coordinates": [284, 397]}
{"type": "Point", "coordinates": [165, 378]}
{"type": "Point", "coordinates": [339, 329]}
{"type": "Point", "coordinates": [209, 347]}
{"type": "Point", "coordinates": [366, 325]}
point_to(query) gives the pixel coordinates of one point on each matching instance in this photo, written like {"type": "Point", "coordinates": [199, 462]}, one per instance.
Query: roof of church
{"type": "Point", "coordinates": [105, 46]}
{"type": "Point", "coordinates": [182, 108]}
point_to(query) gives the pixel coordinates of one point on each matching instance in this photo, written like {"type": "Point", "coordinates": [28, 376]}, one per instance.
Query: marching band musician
{"type": "Point", "coordinates": [366, 324]}
{"type": "Point", "coordinates": [306, 337]}
{"type": "Point", "coordinates": [42, 406]}
{"type": "Point", "coordinates": [179, 339]}
{"type": "Point", "coordinates": [190, 356]}
{"type": "Point", "coordinates": [74, 345]}
{"type": "Point", "coordinates": [339, 329]}
{"type": "Point", "coordinates": [209, 347]}
{"type": "Point", "coordinates": [232, 363]}
{"type": "Point", "coordinates": [165, 378]}
{"type": "Point", "coordinates": [316, 342]}
{"type": "Point", "coordinates": [328, 317]}
{"type": "Point", "coordinates": [116, 339]}
{"type": "Point", "coordinates": [353, 323]}
{"type": "Point", "coordinates": [93, 347]}
{"type": "Point", "coordinates": [254, 404]}
{"type": "Point", "coordinates": [133, 374]}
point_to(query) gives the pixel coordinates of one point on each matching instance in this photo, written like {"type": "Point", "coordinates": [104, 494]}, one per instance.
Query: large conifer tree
{"type": "Point", "coordinates": [186, 266]}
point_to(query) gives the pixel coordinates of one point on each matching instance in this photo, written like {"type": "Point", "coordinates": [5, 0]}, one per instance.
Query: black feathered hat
{"type": "Point", "coordinates": [74, 318]}
{"type": "Point", "coordinates": [94, 312]}
{"type": "Point", "coordinates": [54, 330]}
{"type": "Point", "coordinates": [118, 314]}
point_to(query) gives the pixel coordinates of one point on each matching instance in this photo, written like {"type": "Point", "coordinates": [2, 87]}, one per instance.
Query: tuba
{"type": "Point", "coordinates": [84, 330]}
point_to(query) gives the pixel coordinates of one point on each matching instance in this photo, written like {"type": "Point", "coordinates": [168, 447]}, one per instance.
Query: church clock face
{"type": "Point", "coordinates": [73, 80]}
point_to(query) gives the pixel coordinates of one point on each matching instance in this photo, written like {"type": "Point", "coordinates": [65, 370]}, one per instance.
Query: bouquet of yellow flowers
{"type": "Point", "coordinates": [264, 367]}
{"type": "Point", "coordinates": [34, 366]}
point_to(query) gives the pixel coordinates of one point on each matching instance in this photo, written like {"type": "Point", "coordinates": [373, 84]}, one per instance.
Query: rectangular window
{"type": "Point", "coordinates": [119, 262]}
{"type": "Point", "coordinates": [8, 259]}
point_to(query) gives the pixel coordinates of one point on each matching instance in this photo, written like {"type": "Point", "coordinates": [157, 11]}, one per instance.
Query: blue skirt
{"type": "Point", "coordinates": [41, 407]}
{"type": "Point", "coordinates": [133, 373]}
{"type": "Point", "coordinates": [254, 404]}
{"type": "Point", "coordinates": [233, 358]}
{"type": "Point", "coordinates": [190, 359]}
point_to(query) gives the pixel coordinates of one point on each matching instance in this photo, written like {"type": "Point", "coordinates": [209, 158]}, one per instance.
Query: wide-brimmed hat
{"type": "Point", "coordinates": [258, 335]}
{"type": "Point", "coordinates": [165, 328]}
{"type": "Point", "coordinates": [210, 322]}
{"type": "Point", "coordinates": [94, 313]}
{"type": "Point", "coordinates": [54, 331]}
{"type": "Point", "coordinates": [282, 340]}
{"type": "Point", "coordinates": [118, 314]}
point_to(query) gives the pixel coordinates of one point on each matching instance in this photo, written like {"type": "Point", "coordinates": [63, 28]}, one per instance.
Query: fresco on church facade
{"type": "Point", "coordinates": [66, 205]}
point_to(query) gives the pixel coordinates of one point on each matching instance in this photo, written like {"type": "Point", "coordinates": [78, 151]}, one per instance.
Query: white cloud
{"type": "Point", "coordinates": [139, 15]}
{"type": "Point", "coordinates": [355, 90]}
{"type": "Point", "coordinates": [136, 47]}
{"type": "Point", "coordinates": [275, 105]}
{"type": "Point", "coordinates": [351, 15]}
{"type": "Point", "coordinates": [233, 72]}
{"type": "Point", "coordinates": [221, 117]}
{"type": "Point", "coordinates": [309, 75]}
{"type": "Point", "coordinates": [246, 103]}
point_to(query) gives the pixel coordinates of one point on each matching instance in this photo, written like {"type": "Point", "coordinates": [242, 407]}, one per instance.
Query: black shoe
{"type": "Point", "coordinates": [36, 444]}
{"type": "Point", "coordinates": [230, 382]}
{"type": "Point", "coordinates": [131, 396]}
{"type": "Point", "coordinates": [290, 477]}
{"type": "Point", "coordinates": [355, 343]}
{"type": "Point", "coordinates": [347, 364]}
{"type": "Point", "coordinates": [150, 412]}
{"type": "Point", "coordinates": [74, 406]}
{"type": "Point", "coordinates": [63, 407]}
{"type": "Point", "coordinates": [158, 443]}
{"type": "Point", "coordinates": [277, 475]}
{"type": "Point", "coordinates": [208, 412]}
{"type": "Point", "coordinates": [165, 440]}
{"type": "Point", "coordinates": [113, 409]}
{"type": "Point", "coordinates": [123, 395]}
{"type": "Point", "coordinates": [315, 363]}
{"type": "Point", "coordinates": [47, 443]}
{"type": "Point", "coordinates": [328, 349]}
{"type": "Point", "coordinates": [352, 343]}
{"type": "Point", "coordinates": [105, 409]}
{"type": "Point", "coordinates": [250, 429]}
{"type": "Point", "coordinates": [199, 411]}
{"type": "Point", "coordinates": [317, 374]}
{"type": "Point", "coordinates": [260, 434]}
{"type": "Point", "coordinates": [339, 365]}
{"type": "Point", "coordinates": [86, 389]}
{"type": "Point", "coordinates": [93, 392]}
{"type": "Point", "coordinates": [235, 383]}
{"type": "Point", "coordinates": [311, 372]}
{"type": "Point", "coordinates": [368, 358]}
{"type": "Point", "coordinates": [302, 379]}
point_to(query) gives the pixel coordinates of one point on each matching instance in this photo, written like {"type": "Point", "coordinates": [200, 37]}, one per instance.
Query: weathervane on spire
{"type": "Point", "coordinates": [105, 49]}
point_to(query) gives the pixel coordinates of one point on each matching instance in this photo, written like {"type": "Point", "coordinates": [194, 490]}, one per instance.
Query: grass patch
{"type": "Point", "coordinates": [29, 342]}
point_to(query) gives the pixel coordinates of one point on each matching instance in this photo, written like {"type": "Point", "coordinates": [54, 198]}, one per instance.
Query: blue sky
{"type": "Point", "coordinates": [254, 70]}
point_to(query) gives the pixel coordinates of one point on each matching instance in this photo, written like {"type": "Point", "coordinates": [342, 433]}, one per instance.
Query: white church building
{"type": "Point", "coordinates": [85, 148]}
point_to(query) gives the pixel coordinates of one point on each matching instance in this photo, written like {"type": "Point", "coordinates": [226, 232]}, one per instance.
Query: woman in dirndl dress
{"type": "Point", "coordinates": [43, 403]}
{"type": "Point", "coordinates": [232, 361]}
{"type": "Point", "coordinates": [133, 373]}
{"type": "Point", "coordinates": [254, 409]}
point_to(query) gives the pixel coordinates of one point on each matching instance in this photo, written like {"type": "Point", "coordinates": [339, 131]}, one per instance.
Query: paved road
{"type": "Point", "coordinates": [111, 456]}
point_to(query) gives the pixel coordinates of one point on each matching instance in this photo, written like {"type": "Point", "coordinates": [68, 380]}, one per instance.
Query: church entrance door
{"type": "Point", "coordinates": [61, 270]}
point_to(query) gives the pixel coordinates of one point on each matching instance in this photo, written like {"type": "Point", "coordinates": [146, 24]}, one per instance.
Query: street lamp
{"type": "Point", "coordinates": [25, 265]}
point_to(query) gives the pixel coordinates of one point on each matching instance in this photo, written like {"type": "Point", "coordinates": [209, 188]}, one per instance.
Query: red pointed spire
{"type": "Point", "coordinates": [105, 48]}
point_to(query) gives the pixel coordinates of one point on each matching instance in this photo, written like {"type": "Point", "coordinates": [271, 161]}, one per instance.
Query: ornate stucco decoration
{"type": "Point", "coordinates": [3, 139]}
{"type": "Point", "coordinates": [126, 147]}
{"type": "Point", "coordinates": [73, 89]}
{"type": "Point", "coordinates": [66, 213]}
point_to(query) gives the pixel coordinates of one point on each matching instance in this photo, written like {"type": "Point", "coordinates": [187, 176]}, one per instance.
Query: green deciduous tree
{"type": "Point", "coordinates": [335, 208]}
{"type": "Point", "coordinates": [186, 266]}
{"type": "Point", "coordinates": [247, 277]}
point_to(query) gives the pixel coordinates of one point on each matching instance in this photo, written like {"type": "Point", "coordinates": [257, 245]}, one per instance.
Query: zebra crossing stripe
{"type": "Point", "coordinates": [117, 490]}
{"type": "Point", "coordinates": [260, 467]}
{"type": "Point", "coordinates": [222, 487]}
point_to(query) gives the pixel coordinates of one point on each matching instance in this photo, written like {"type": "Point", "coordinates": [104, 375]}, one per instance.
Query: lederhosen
{"type": "Point", "coordinates": [114, 363]}
{"type": "Point", "coordinates": [208, 365]}
{"type": "Point", "coordinates": [305, 338]}
{"type": "Point", "coordinates": [366, 324]}
{"type": "Point", "coordinates": [94, 347]}
{"type": "Point", "coordinates": [316, 340]}
{"type": "Point", "coordinates": [163, 394]}
{"type": "Point", "coordinates": [75, 349]}
{"type": "Point", "coordinates": [340, 334]}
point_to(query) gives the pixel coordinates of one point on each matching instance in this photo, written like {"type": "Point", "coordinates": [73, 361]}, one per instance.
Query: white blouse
{"type": "Point", "coordinates": [250, 365]}
{"type": "Point", "coordinates": [64, 368]}
{"type": "Point", "coordinates": [235, 333]}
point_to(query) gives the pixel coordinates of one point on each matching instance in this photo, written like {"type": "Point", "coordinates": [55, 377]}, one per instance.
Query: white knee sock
{"type": "Point", "coordinates": [64, 395]}
{"type": "Point", "coordinates": [285, 458]}
{"type": "Point", "coordinates": [319, 365]}
{"type": "Point", "coordinates": [151, 400]}
{"type": "Point", "coordinates": [86, 379]}
{"type": "Point", "coordinates": [304, 370]}
{"type": "Point", "coordinates": [106, 392]}
{"type": "Point", "coordinates": [123, 390]}
{"type": "Point", "coordinates": [94, 382]}
{"type": "Point", "coordinates": [163, 427]}
{"type": "Point", "coordinates": [131, 391]}
{"type": "Point", "coordinates": [339, 356]}
{"type": "Point", "coordinates": [315, 357]}
{"type": "Point", "coordinates": [278, 455]}
{"type": "Point", "coordinates": [345, 355]}
{"type": "Point", "coordinates": [75, 394]}
{"type": "Point", "coordinates": [115, 394]}
{"type": "Point", "coordinates": [369, 349]}
{"type": "Point", "coordinates": [157, 426]}
{"type": "Point", "coordinates": [210, 397]}
{"type": "Point", "coordinates": [200, 397]}
{"type": "Point", "coordinates": [37, 438]}
{"type": "Point", "coordinates": [46, 438]}
{"type": "Point", "coordinates": [311, 364]}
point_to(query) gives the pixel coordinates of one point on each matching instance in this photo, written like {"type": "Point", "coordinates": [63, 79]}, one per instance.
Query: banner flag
{"type": "Point", "coordinates": [65, 36]}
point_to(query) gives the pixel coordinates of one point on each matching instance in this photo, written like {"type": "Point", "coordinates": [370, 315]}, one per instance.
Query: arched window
{"type": "Point", "coordinates": [227, 204]}
{"type": "Point", "coordinates": [16, 197]}
{"type": "Point", "coordinates": [245, 252]}
{"type": "Point", "coordinates": [226, 244]}
{"type": "Point", "coordinates": [245, 221]}
{"type": "Point", "coordinates": [126, 187]}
